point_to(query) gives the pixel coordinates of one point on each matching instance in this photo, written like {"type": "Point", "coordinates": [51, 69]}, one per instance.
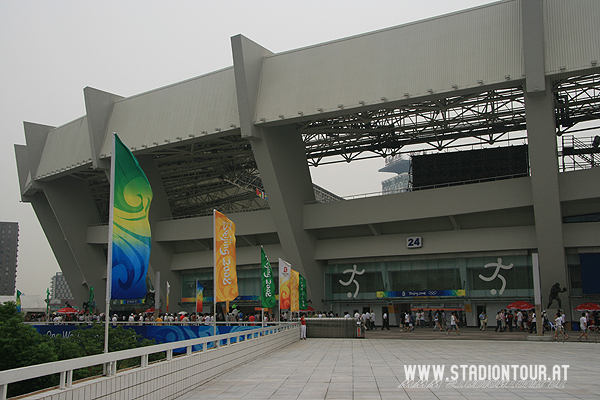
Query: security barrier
{"type": "Point", "coordinates": [346, 328]}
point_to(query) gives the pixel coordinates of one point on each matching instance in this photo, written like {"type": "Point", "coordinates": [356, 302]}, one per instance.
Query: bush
{"type": "Point", "coordinates": [21, 346]}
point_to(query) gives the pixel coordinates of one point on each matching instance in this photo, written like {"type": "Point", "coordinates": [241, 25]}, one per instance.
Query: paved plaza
{"type": "Point", "coordinates": [373, 368]}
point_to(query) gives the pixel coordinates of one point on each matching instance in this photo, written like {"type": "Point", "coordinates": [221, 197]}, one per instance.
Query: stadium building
{"type": "Point", "coordinates": [496, 107]}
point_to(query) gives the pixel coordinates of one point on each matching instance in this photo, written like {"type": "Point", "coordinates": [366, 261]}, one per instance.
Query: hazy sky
{"type": "Point", "coordinates": [51, 50]}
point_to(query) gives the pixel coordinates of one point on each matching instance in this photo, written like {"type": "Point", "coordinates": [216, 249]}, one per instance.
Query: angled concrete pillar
{"type": "Point", "coordinates": [161, 255]}
{"type": "Point", "coordinates": [62, 251]}
{"type": "Point", "coordinates": [281, 159]}
{"type": "Point", "coordinates": [247, 65]}
{"type": "Point", "coordinates": [98, 107]}
{"type": "Point", "coordinates": [23, 171]}
{"type": "Point", "coordinates": [35, 137]}
{"type": "Point", "coordinates": [543, 155]}
{"type": "Point", "coordinates": [73, 209]}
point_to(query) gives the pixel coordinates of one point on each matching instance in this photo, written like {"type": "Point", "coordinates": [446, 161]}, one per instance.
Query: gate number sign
{"type": "Point", "coordinates": [414, 242]}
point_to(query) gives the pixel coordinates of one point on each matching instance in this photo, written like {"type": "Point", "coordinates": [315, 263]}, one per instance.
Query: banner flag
{"type": "Point", "coordinates": [47, 302]}
{"type": "Point", "coordinates": [129, 239]}
{"type": "Point", "coordinates": [91, 301]}
{"type": "Point", "coordinates": [294, 291]}
{"type": "Point", "coordinates": [168, 291]}
{"type": "Point", "coordinates": [284, 284]}
{"type": "Point", "coordinates": [199, 296]}
{"type": "Point", "coordinates": [302, 296]}
{"type": "Point", "coordinates": [18, 301]}
{"type": "Point", "coordinates": [267, 283]}
{"type": "Point", "coordinates": [226, 287]}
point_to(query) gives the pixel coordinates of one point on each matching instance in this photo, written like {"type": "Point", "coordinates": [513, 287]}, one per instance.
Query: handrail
{"type": "Point", "coordinates": [66, 367]}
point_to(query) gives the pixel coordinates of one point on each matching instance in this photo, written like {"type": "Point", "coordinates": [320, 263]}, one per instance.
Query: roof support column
{"type": "Point", "coordinates": [281, 159]}
{"type": "Point", "coordinates": [65, 214]}
{"type": "Point", "coordinates": [161, 256]}
{"type": "Point", "coordinates": [543, 155]}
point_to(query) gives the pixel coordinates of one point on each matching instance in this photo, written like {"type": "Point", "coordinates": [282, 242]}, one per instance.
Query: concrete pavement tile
{"type": "Point", "coordinates": [332, 368]}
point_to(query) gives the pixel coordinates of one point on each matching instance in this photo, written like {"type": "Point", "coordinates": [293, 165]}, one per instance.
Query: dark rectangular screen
{"type": "Point", "coordinates": [590, 273]}
{"type": "Point", "coordinates": [473, 165]}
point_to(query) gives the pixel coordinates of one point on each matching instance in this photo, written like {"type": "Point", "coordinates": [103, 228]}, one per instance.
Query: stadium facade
{"type": "Point", "coordinates": [242, 140]}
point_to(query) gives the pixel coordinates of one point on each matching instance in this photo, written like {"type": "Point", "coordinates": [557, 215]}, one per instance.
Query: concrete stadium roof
{"type": "Point", "coordinates": [474, 49]}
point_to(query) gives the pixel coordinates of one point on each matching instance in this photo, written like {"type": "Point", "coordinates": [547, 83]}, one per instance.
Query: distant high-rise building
{"type": "Point", "coordinates": [399, 183]}
{"type": "Point", "coordinates": [9, 244]}
{"type": "Point", "coordinates": [59, 288]}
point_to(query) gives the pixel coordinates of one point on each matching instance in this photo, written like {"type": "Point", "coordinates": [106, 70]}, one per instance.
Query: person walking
{"type": "Point", "coordinates": [509, 320]}
{"type": "Point", "coordinates": [453, 323]}
{"type": "Point", "coordinates": [437, 318]}
{"type": "Point", "coordinates": [372, 319]}
{"type": "Point", "coordinates": [583, 324]}
{"type": "Point", "coordinates": [559, 327]}
{"type": "Point", "coordinates": [482, 317]}
{"type": "Point", "coordinates": [407, 323]}
{"type": "Point", "coordinates": [498, 322]}
{"type": "Point", "coordinates": [386, 323]}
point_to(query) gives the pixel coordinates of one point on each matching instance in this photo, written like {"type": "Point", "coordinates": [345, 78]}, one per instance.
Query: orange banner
{"type": "Point", "coordinates": [284, 285]}
{"type": "Point", "coordinates": [226, 288]}
{"type": "Point", "coordinates": [294, 294]}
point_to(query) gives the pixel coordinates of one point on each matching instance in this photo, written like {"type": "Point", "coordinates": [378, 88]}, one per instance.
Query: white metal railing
{"type": "Point", "coordinates": [66, 367]}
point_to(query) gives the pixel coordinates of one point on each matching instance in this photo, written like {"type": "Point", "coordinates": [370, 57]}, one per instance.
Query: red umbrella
{"type": "Point", "coordinates": [67, 310]}
{"type": "Point", "coordinates": [151, 311]}
{"type": "Point", "coordinates": [520, 305]}
{"type": "Point", "coordinates": [588, 307]}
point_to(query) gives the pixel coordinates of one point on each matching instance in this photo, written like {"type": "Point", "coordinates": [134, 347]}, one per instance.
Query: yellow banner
{"type": "Point", "coordinates": [226, 288]}
{"type": "Point", "coordinates": [284, 285]}
{"type": "Point", "coordinates": [295, 295]}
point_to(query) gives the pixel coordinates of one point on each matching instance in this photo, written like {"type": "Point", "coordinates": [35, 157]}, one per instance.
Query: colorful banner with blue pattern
{"type": "Point", "coordinates": [130, 239]}
{"type": "Point", "coordinates": [161, 333]}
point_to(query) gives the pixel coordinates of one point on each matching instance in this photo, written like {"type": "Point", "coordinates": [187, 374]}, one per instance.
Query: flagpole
{"type": "Point", "coordinates": [47, 304]}
{"type": "Point", "coordinates": [168, 291]}
{"type": "Point", "coordinates": [215, 274]}
{"type": "Point", "coordinates": [110, 247]}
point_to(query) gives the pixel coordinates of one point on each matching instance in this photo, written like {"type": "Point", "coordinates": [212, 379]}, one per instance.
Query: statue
{"type": "Point", "coordinates": [554, 292]}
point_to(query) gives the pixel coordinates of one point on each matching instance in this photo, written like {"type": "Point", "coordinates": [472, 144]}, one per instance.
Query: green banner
{"type": "Point", "coordinates": [303, 304]}
{"type": "Point", "coordinates": [266, 277]}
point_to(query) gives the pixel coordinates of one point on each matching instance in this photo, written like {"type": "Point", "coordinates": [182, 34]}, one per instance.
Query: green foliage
{"type": "Point", "coordinates": [91, 341]}
{"type": "Point", "coordinates": [21, 345]}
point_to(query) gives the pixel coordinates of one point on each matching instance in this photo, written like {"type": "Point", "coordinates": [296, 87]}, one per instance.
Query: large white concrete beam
{"type": "Point", "coordinates": [543, 155]}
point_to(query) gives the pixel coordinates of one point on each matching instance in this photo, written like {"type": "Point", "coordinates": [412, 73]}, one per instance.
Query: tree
{"type": "Point", "coordinates": [20, 346]}
{"type": "Point", "coordinates": [91, 341]}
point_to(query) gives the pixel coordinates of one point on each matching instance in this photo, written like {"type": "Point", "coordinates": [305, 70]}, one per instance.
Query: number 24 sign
{"type": "Point", "coordinates": [414, 242]}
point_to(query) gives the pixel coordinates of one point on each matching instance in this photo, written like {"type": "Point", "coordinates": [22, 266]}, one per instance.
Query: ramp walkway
{"type": "Point", "coordinates": [373, 368]}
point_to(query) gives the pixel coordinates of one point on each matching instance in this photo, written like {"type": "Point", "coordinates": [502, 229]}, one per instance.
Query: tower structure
{"type": "Point", "coordinates": [9, 246]}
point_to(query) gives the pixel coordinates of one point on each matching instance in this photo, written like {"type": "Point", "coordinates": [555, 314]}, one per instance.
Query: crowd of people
{"type": "Point", "coordinates": [521, 320]}
{"type": "Point", "coordinates": [439, 320]}
{"type": "Point", "coordinates": [526, 321]}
